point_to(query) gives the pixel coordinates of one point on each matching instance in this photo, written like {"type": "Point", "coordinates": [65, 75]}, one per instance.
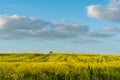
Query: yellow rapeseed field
{"type": "Point", "coordinates": [59, 66]}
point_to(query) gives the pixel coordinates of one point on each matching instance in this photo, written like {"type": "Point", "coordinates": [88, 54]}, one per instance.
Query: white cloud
{"type": "Point", "coordinates": [93, 33]}
{"type": "Point", "coordinates": [114, 3]}
{"type": "Point", "coordinates": [26, 27]}
{"type": "Point", "coordinates": [20, 27]}
{"type": "Point", "coordinates": [111, 12]}
{"type": "Point", "coordinates": [83, 41]}
{"type": "Point", "coordinates": [112, 29]}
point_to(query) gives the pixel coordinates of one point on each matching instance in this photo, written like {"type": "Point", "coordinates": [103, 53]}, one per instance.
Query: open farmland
{"type": "Point", "coordinates": [59, 66]}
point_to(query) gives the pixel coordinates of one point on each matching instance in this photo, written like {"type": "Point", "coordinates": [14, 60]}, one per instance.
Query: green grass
{"type": "Point", "coordinates": [59, 66]}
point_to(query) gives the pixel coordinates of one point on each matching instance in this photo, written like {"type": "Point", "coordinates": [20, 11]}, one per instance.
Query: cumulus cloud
{"type": "Point", "coordinates": [114, 3]}
{"type": "Point", "coordinates": [112, 29]}
{"type": "Point", "coordinates": [27, 27]}
{"type": "Point", "coordinates": [83, 41]}
{"type": "Point", "coordinates": [93, 33]}
{"type": "Point", "coordinates": [22, 27]}
{"type": "Point", "coordinates": [111, 12]}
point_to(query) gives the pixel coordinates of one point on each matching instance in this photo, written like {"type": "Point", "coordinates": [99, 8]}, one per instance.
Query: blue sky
{"type": "Point", "coordinates": [90, 26]}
